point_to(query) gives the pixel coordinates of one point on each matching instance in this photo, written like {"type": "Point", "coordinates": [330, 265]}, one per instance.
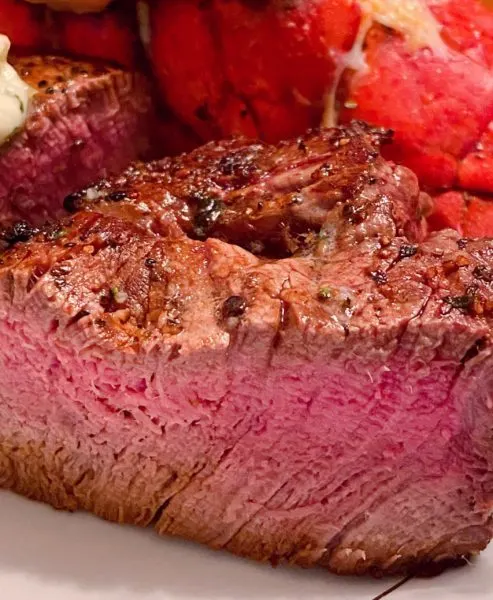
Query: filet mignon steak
{"type": "Point", "coordinates": [322, 400]}
{"type": "Point", "coordinates": [87, 121]}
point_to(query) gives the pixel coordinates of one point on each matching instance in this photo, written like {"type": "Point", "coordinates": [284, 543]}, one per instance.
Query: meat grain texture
{"type": "Point", "coordinates": [87, 121]}
{"type": "Point", "coordinates": [322, 400]}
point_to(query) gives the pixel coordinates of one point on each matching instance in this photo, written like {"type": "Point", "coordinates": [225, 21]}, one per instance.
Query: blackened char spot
{"type": "Point", "coordinates": [226, 165]}
{"type": "Point", "coordinates": [116, 196]}
{"type": "Point", "coordinates": [19, 232]}
{"type": "Point", "coordinates": [458, 302]}
{"type": "Point", "coordinates": [238, 165]}
{"type": "Point", "coordinates": [407, 251]}
{"type": "Point", "coordinates": [463, 303]}
{"type": "Point", "coordinates": [484, 273]}
{"type": "Point", "coordinates": [208, 212]}
{"type": "Point", "coordinates": [234, 306]}
{"type": "Point", "coordinates": [379, 277]}
{"type": "Point", "coordinates": [474, 350]}
{"type": "Point", "coordinates": [325, 170]}
{"type": "Point", "coordinates": [54, 232]}
{"type": "Point", "coordinates": [354, 215]}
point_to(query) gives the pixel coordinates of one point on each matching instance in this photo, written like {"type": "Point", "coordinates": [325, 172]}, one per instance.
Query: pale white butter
{"type": "Point", "coordinates": [15, 95]}
{"type": "Point", "coordinates": [412, 18]}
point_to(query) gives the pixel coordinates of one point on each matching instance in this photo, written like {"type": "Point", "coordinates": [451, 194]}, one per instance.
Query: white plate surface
{"type": "Point", "coordinates": [47, 555]}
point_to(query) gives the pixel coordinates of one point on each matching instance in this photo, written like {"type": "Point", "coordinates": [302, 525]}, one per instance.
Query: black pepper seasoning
{"type": "Point", "coordinates": [19, 232]}
{"type": "Point", "coordinates": [234, 306]}
{"type": "Point", "coordinates": [484, 273]}
{"type": "Point", "coordinates": [116, 196]}
{"type": "Point", "coordinates": [73, 202]}
{"type": "Point", "coordinates": [407, 251]}
{"type": "Point", "coordinates": [379, 277]}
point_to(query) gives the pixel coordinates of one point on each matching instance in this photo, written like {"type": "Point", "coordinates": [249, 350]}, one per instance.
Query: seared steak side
{"type": "Point", "coordinates": [87, 121]}
{"type": "Point", "coordinates": [331, 407]}
{"type": "Point", "coordinates": [270, 200]}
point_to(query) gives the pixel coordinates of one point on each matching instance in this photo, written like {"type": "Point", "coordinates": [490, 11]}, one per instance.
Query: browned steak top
{"type": "Point", "coordinates": [270, 200]}
{"type": "Point", "coordinates": [136, 261]}
{"type": "Point", "coordinates": [51, 75]}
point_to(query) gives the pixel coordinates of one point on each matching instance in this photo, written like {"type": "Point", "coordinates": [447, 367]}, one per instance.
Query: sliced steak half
{"type": "Point", "coordinates": [330, 407]}
{"type": "Point", "coordinates": [87, 121]}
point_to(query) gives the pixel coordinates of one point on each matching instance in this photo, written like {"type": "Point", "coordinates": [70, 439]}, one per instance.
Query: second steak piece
{"type": "Point", "coordinates": [86, 121]}
{"type": "Point", "coordinates": [271, 200]}
{"type": "Point", "coordinates": [328, 408]}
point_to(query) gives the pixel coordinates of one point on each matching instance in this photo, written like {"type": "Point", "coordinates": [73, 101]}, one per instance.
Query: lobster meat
{"type": "Point", "coordinates": [274, 68]}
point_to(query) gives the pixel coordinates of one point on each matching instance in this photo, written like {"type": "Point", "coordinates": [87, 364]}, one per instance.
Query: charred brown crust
{"type": "Point", "coordinates": [269, 200]}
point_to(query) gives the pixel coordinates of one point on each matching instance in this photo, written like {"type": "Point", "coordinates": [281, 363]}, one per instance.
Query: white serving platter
{"type": "Point", "coordinates": [49, 555]}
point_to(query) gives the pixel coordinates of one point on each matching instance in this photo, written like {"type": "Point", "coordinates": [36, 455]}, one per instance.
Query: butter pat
{"type": "Point", "coordinates": [15, 95]}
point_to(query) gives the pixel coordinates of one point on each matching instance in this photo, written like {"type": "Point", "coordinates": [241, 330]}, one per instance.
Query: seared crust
{"type": "Point", "coordinates": [269, 199]}
{"type": "Point", "coordinates": [51, 75]}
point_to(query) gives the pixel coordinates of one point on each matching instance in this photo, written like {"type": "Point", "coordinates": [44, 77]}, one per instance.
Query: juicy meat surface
{"type": "Point", "coordinates": [87, 121]}
{"type": "Point", "coordinates": [328, 407]}
{"type": "Point", "coordinates": [269, 199]}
